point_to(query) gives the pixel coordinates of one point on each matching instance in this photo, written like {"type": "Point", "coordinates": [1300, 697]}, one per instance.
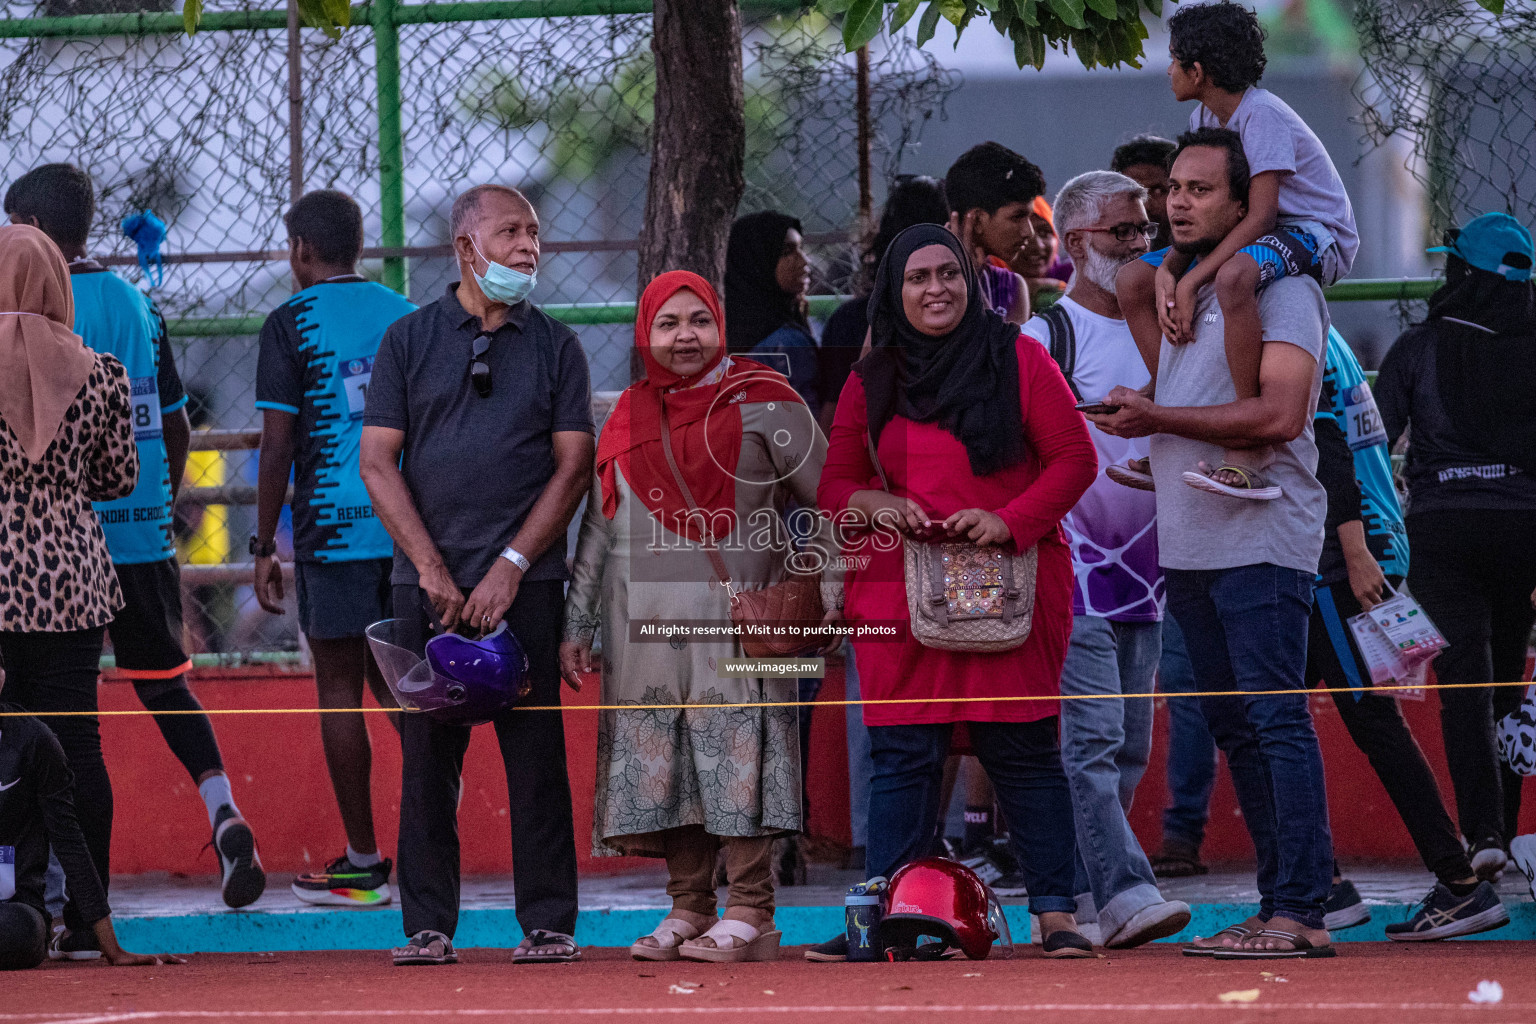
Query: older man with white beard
{"type": "Point", "coordinates": [1102, 220]}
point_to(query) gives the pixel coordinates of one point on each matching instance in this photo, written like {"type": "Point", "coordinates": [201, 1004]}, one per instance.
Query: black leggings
{"type": "Point", "coordinates": [1377, 726]}
{"type": "Point", "coordinates": [190, 737]}
{"type": "Point", "coordinates": [23, 937]}
{"type": "Point", "coordinates": [1473, 572]}
{"type": "Point", "coordinates": [57, 672]}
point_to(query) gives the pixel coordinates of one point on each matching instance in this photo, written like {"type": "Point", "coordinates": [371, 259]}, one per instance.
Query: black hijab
{"type": "Point", "coordinates": [967, 381]}
{"type": "Point", "coordinates": [755, 305]}
{"type": "Point", "coordinates": [1487, 373]}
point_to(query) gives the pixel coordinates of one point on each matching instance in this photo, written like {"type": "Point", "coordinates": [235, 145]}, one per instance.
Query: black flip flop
{"type": "Point", "coordinates": [1301, 949]}
{"type": "Point", "coordinates": [418, 951]}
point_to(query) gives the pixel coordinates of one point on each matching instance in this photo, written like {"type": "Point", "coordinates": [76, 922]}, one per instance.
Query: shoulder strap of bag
{"type": "Point", "coordinates": [1063, 343]}
{"type": "Point", "coordinates": [874, 457]}
{"type": "Point", "coordinates": [718, 563]}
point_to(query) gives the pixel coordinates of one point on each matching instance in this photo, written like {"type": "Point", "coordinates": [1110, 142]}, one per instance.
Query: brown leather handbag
{"type": "Point", "coordinates": [963, 596]}
{"type": "Point", "coordinates": [776, 621]}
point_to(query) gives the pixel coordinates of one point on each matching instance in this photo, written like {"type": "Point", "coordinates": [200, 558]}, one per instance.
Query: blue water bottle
{"type": "Point", "coordinates": [863, 907]}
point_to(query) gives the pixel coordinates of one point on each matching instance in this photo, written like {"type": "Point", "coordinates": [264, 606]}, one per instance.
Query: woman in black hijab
{"type": "Point", "coordinates": [1463, 380]}
{"type": "Point", "coordinates": [979, 442]}
{"type": "Point", "coordinates": [766, 279]}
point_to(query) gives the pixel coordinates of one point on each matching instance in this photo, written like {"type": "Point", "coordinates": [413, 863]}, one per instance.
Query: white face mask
{"type": "Point", "coordinates": [502, 284]}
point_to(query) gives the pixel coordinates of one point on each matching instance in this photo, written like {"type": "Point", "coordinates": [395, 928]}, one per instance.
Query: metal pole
{"type": "Point", "coordinates": [866, 200]}
{"type": "Point", "coordinates": [295, 107]}
{"type": "Point", "coordinates": [386, 48]}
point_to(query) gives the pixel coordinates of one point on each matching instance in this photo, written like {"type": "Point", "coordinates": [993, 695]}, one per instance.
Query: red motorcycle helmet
{"type": "Point", "coordinates": [947, 900]}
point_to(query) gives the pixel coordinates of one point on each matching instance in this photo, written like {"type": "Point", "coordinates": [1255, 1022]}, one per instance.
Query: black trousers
{"type": "Point", "coordinates": [1473, 572]}
{"type": "Point", "coordinates": [47, 672]}
{"type": "Point", "coordinates": [23, 936]}
{"type": "Point", "coordinates": [538, 787]}
{"type": "Point", "coordinates": [1376, 724]}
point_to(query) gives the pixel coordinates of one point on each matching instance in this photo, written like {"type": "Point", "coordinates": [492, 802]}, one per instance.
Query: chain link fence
{"type": "Point", "coordinates": [1459, 83]}
{"type": "Point", "coordinates": [197, 130]}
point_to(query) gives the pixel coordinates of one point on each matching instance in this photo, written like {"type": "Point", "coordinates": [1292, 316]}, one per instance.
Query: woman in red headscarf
{"type": "Point", "coordinates": [682, 784]}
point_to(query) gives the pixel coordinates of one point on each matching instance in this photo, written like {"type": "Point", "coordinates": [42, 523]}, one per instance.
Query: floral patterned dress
{"type": "Point", "coordinates": [736, 771]}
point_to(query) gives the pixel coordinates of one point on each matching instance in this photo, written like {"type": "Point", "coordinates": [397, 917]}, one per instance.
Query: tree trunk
{"type": "Point", "coordinates": [699, 139]}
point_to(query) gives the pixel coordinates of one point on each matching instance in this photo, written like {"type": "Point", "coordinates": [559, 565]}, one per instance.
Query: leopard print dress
{"type": "Point", "coordinates": [56, 574]}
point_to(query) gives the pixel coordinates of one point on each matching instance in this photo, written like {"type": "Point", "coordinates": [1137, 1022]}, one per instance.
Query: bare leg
{"type": "Point", "coordinates": [1136, 287]}
{"type": "Point", "coordinates": [339, 674]}
{"type": "Point", "coordinates": [1237, 288]}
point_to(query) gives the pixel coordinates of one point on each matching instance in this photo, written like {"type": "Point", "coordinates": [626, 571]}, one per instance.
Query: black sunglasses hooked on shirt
{"type": "Point", "coordinates": [479, 369]}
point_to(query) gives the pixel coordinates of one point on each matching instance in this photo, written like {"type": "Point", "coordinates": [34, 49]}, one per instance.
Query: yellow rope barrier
{"type": "Point", "coordinates": [773, 704]}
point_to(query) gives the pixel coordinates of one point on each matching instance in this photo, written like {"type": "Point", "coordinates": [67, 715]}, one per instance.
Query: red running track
{"type": "Point", "coordinates": [1368, 983]}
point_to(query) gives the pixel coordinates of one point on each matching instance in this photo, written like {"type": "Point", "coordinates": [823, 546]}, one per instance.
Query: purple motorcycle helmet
{"type": "Point", "coordinates": [460, 681]}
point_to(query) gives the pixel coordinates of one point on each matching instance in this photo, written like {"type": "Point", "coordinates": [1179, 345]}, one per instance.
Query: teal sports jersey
{"type": "Point", "coordinates": [1347, 400]}
{"type": "Point", "coordinates": [316, 359]}
{"type": "Point", "coordinates": [116, 318]}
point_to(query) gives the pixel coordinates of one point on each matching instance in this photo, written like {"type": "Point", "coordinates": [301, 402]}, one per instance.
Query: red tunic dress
{"type": "Point", "coordinates": [926, 463]}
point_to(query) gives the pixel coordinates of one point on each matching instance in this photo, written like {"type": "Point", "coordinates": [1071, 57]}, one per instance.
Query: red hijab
{"type": "Point", "coordinates": [705, 421]}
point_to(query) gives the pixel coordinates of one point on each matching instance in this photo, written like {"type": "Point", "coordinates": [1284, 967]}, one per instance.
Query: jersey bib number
{"type": "Point", "coordinates": [1364, 419]}
{"type": "Point", "coordinates": [355, 374]}
{"type": "Point", "coordinates": [146, 409]}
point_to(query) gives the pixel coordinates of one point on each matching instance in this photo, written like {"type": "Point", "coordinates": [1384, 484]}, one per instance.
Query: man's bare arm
{"type": "Point", "coordinates": [379, 464]}
{"type": "Point", "coordinates": [551, 513]}
{"type": "Point", "coordinates": [1278, 415]}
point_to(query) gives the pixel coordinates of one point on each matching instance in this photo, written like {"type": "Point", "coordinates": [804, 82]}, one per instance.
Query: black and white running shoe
{"type": "Point", "coordinates": [1344, 908]}
{"type": "Point", "coordinates": [244, 880]}
{"type": "Point", "coordinates": [1444, 915]}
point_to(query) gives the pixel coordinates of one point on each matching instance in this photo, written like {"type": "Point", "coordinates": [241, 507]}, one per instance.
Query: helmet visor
{"type": "Point", "coordinates": [405, 672]}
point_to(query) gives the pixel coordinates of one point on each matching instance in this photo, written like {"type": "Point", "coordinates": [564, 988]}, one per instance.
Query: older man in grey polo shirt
{"type": "Point", "coordinates": [1239, 573]}
{"type": "Point", "coordinates": [477, 448]}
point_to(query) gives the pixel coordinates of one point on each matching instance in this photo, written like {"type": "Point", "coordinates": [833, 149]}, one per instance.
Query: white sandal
{"type": "Point", "coordinates": [754, 945]}
{"type": "Point", "coordinates": [669, 935]}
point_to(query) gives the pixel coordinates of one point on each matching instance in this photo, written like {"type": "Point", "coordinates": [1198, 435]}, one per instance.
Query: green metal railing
{"type": "Point", "coordinates": [584, 313]}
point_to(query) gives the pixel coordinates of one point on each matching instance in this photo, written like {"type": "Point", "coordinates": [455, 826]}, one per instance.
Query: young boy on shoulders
{"type": "Point", "coordinates": [1298, 222]}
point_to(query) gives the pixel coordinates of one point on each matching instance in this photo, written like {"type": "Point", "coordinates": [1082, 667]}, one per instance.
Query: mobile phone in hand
{"type": "Point", "coordinates": [1096, 408]}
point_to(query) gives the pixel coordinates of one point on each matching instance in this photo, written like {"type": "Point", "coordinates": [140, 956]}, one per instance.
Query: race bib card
{"type": "Point", "coordinates": [1409, 629]}
{"type": "Point", "coordinates": [146, 408]}
{"type": "Point", "coordinates": [1364, 419]}
{"type": "Point", "coordinates": [7, 872]}
{"type": "Point", "coordinates": [355, 374]}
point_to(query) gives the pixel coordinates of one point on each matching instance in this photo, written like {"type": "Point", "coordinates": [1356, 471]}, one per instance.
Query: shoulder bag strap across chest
{"type": "Point", "coordinates": [715, 561]}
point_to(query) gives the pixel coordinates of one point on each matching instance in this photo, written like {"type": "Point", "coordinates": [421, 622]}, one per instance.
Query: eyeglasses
{"type": "Point", "coordinates": [479, 369]}
{"type": "Point", "coordinates": [1126, 232]}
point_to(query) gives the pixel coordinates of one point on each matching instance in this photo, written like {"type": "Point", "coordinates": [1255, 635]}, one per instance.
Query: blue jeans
{"type": "Point", "coordinates": [1247, 631]}
{"type": "Point", "coordinates": [1191, 751]}
{"type": "Point", "coordinates": [1023, 760]}
{"type": "Point", "coordinates": [1105, 745]}
{"type": "Point", "coordinates": [859, 766]}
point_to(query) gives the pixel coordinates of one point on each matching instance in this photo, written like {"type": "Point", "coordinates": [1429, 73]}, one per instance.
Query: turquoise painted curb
{"type": "Point", "coordinates": [260, 932]}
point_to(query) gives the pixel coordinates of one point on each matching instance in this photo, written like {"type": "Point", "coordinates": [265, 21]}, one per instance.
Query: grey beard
{"type": "Point", "coordinates": [1100, 269]}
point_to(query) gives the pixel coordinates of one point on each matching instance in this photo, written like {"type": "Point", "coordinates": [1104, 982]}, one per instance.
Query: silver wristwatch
{"type": "Point", "coordinates": [514, 556]}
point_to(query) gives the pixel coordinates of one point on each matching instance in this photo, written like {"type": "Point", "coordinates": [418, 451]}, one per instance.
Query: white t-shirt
{"type": "Point", "coordinates": [1275, 138]}
{"type": "Point", "coordinates": [1112, 529]}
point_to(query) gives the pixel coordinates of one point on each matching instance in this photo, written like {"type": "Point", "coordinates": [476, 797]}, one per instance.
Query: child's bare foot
{"type": "Point", "coordinates": [1135, 473]}
{"type": "Point", "coordinates": [1233, 482]}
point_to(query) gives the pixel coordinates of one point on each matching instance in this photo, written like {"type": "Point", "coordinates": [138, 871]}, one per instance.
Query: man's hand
{"type": "Point", "coordinates": [978, 526]}
{"type": "Point", "coordinates": [117, 956]}
{"type": "Point", "coordinates": [1137, 416]}
{"type": "Point", "coordinates": [575, 661]}
{"type": "Point", "coordinates": [488, 603]}
{"type": "Point", "coordinates": [447, 600]}
{"type": "Point", "coordinates": [267, 581]}
{"type": "Point", "coordinates": [1366, 580]}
